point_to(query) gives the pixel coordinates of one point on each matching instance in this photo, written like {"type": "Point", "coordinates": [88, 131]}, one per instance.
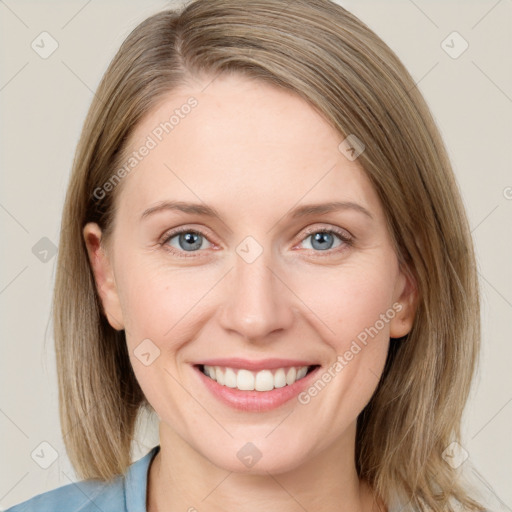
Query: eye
{"type": "Point", "coordinates": [184, 240]}
{"type": "Point", "coordinates": [323, 240]}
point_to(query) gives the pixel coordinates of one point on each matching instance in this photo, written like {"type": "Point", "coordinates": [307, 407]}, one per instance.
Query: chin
{"type": "Point", "coordinates": [264, 466]}
{"type": "Point", "coordinates": [258, 458]}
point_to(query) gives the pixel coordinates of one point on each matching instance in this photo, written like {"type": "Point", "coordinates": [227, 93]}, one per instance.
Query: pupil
{"type": "Point", "coordinates": [321, 238]}
{"type": "Point", "coordinates": [189, 239]}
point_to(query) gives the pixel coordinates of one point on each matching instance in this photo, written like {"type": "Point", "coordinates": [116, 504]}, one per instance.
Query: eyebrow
{"type": "Point", "coordinates": [301, 211]}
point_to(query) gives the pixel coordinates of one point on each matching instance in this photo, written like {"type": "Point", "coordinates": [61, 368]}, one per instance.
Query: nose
{"type": "Point", "coordinates": [256, 302]}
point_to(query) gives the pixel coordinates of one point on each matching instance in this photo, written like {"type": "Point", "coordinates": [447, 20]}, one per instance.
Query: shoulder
{"type": "Point", "coordinates": [84, 496]}
{"type": "Point", "coordinates": [125, 493]}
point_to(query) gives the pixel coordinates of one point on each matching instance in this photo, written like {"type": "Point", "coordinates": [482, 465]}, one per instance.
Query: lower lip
{"type": "Point", "coordinates": [256, 401]}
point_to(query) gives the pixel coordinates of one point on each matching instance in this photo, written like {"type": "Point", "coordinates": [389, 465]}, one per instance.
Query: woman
{"type": "Point", "coordinates": [263, 242]}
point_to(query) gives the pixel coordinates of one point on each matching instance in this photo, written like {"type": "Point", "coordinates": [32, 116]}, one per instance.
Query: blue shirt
{"type": "Point", "coordinates": [125, 493]}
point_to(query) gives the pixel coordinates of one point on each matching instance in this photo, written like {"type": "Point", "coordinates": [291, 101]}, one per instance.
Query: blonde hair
{"type": "Point", "coordinates": [326, 55]}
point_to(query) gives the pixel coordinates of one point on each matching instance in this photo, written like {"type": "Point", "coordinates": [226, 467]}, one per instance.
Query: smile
{"type": "Point", "coordinates": [255, 386]}
{"type": "Point", "coordinates": [263, 380]}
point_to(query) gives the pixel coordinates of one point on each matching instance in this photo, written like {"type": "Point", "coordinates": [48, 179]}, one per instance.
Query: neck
{"type": "Point", "coordinates": [181, 479]}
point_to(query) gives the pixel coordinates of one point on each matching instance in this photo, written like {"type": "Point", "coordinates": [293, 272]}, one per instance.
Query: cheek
{"type": "Point", "coordinates": [159, 307]}
{"type": "Point", "coordinates": [159, 302]}
{"type": "Point", "coordinates": [348, 301]}
{"type": "Point", "coordinates": [351, 307]}
{"type": "Point", "coordinates": [351, 311]}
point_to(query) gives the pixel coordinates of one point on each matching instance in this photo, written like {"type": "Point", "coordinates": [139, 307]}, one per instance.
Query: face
{"type": "Point", "coordinates": [251, 281]}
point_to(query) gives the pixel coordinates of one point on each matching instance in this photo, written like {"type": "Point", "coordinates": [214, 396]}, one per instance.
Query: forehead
{"type": "Point", "coordinates": [242, 143]}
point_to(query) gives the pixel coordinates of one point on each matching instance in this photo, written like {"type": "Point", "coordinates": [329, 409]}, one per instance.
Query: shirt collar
{"type": "Point", "coordinates": [136, 481]}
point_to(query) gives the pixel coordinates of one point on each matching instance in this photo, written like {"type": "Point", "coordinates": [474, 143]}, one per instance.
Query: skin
{"type": "Point", "coordinates": [253, 152]}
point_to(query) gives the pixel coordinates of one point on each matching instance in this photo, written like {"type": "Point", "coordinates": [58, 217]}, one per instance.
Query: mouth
{"type": "Point", "coordinates": [262, 380]}
{"type": "Point", "coordinates": [255, 387]}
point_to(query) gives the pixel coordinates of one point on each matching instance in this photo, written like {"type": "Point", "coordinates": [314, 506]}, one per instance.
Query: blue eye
{"type": "Point", "coordinates": [183, 241]}
{"type": "Point", "coordinates": [187, 240]}
{"type": "Point", "coordinates": [324, 240]}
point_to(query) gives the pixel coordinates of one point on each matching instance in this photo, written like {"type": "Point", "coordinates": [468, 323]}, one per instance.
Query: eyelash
{"type": "Point", "coordinates": [347, 240]}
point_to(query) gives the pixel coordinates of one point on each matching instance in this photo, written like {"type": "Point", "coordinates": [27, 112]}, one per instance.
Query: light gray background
{"type": "Point", "coordinates": [43, 105]}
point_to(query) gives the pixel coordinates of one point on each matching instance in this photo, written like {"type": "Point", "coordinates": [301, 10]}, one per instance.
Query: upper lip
{"type": "Point", "coordinates": [263, 364]}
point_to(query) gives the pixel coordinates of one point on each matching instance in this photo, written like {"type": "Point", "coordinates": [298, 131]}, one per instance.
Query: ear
{"type": "Point", "coordinates": [103, 275]}
{"type": "Point", "coordinates": [406, 294]}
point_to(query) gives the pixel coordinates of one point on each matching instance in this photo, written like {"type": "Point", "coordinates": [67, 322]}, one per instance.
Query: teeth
{"type": "Point", "coordinates": [230, 378]}
{"type": "Point", "coordinates": [280, 378]}
{"type": "Point", "coordinates": [291, 376]}
{"type": "Point", "coordinates": [219, 375]}
{"type": "Point", "coordinates": [302, 372]}
{"type": "Point", "coordinates": [244, 380]}
{"type": "Point", "coordinates": [263, 380]}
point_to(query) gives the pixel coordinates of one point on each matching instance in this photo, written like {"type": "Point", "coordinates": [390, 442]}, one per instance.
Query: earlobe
{"type": "Point", "coordinates": [407, 298]}
{"type": "Point", "coordinates": [103, 275]}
